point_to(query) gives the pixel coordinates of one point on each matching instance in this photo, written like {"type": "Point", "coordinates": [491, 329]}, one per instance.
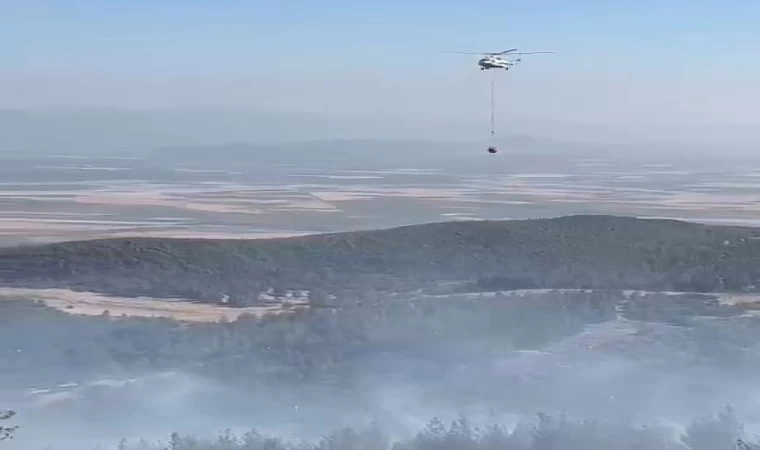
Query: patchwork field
{"type": "Point", "coordinates": [54, 197]}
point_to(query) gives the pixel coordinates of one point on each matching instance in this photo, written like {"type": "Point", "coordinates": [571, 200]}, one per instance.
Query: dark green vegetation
{"type": "Point", "coordinates": [442, 349]}
{"type": "Point", "coordinates": [720, 432]}
{"type": "Point", "coordinates": [6, 432]}
{"type": "Point", "coordinates": [569, 252]}
{"type": "Point", "coordinates": [327, 355]}
{"type": "Point", "coordinates": [336, 347]}
{"type": "Point", "coordinates": [329, 345]}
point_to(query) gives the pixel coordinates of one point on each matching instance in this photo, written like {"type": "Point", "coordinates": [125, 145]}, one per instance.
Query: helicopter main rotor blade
{"type": "Point", "coordinates": [505, 52]}
{"type": "Point", "coordinates": [530, 53]}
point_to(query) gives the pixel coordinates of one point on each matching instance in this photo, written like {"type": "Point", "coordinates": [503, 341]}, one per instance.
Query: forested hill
{"type": "Point", "coordinates": [572, 252]}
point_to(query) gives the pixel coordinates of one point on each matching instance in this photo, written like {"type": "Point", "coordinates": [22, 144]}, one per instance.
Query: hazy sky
{"type": "Point", "coordinates": [644, 65]}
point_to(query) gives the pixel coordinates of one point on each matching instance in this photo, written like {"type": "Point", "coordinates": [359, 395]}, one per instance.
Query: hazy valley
{"type": "Point", "coordinates": [124, 324]}
{"type": "Point", "coordinates": [343, 225]}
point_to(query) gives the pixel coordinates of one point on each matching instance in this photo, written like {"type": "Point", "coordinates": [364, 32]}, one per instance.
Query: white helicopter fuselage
{"type": "Point", "coordinates": [494, 62]}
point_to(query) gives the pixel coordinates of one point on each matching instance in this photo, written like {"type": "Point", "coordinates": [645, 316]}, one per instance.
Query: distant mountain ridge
{"type": "Point", "coordinates": [582, 251]}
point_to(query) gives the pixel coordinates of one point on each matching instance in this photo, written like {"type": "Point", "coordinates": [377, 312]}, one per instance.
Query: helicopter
{"type": "Point", "coordinates": [496, 60]}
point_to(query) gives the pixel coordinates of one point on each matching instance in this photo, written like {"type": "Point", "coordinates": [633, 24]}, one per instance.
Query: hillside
{"type": "Point", "coordinates": [572, 251]}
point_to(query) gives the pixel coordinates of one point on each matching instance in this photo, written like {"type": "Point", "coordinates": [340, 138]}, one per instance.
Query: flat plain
{"type": "Point", "coordinates": [47, 198]}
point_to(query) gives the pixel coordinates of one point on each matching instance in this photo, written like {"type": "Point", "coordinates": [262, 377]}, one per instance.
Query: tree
{"type": "Point", "coordinates": [7, 432]}
{"type": "Point", "coordinates": [714, 432]}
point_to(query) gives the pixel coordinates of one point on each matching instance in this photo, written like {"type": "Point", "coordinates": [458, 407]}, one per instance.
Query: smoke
{"type": "Point", "coordinates": [621, 371]}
